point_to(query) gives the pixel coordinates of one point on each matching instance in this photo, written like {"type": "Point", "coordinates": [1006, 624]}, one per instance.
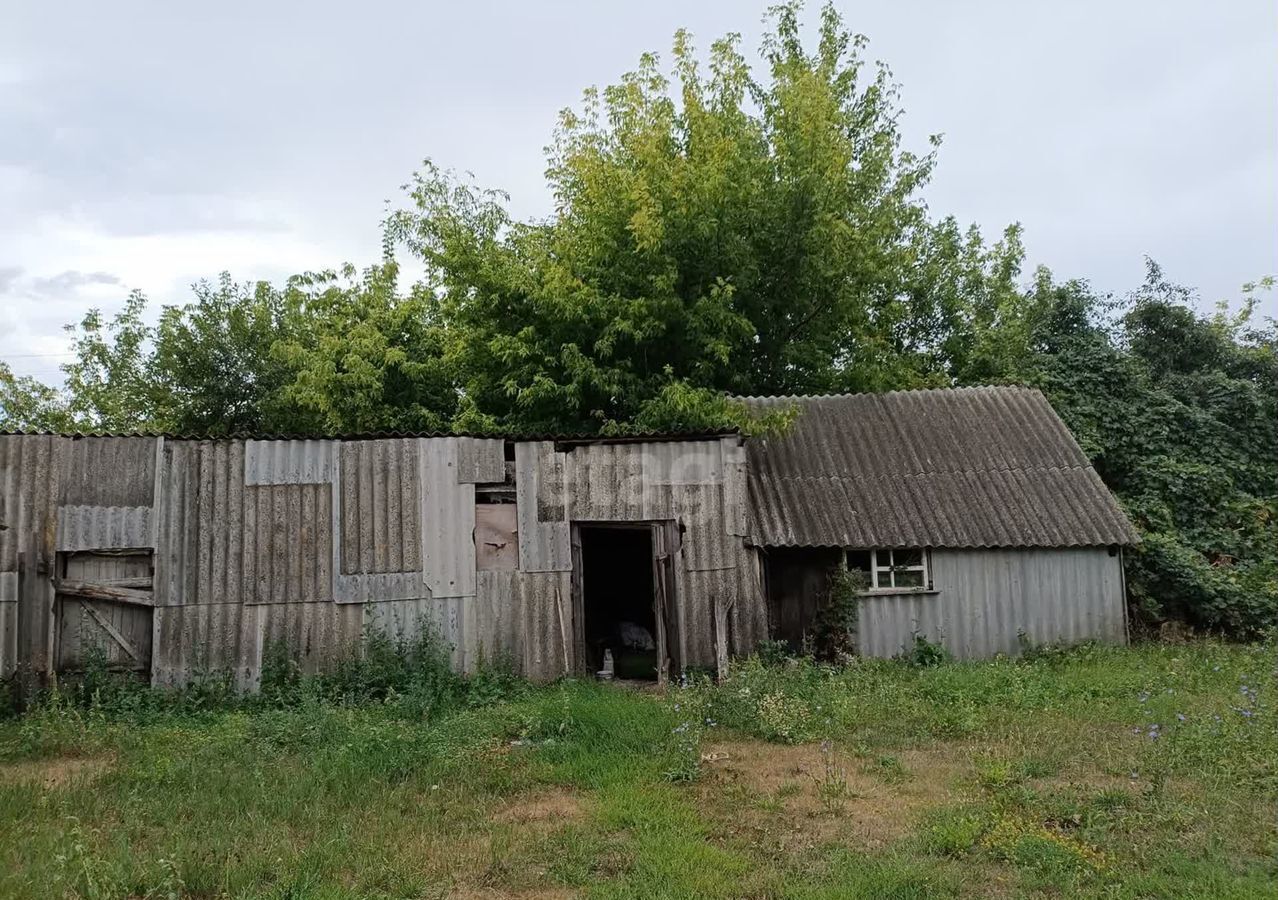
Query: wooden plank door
{"type": "Point", "coordinates": [105, 605]}
{"type": "Point", "coordinates": [665, 548]}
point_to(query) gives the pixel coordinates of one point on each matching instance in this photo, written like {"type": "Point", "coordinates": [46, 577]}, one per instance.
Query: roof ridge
{"type": "Point", "coordinates": [956, 389]}
{"type": "Point", "coordinates": [1083, 467]}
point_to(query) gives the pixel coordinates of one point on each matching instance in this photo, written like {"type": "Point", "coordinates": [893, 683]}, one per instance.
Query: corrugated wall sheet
{"type": "Point", "coordinates": [225, 541]}
{"type": "Point", "coordinates": [986, 599]}
{"type": "Point", "coordinates": [30, 475]}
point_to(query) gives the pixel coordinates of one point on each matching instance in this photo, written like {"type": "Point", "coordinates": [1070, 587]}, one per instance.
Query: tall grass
{"type": "Point", "coordinates": [1093, 772]}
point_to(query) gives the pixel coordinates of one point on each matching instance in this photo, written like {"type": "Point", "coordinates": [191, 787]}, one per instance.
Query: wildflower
{"type": "Point", "coordinates": [1144, 695]}
{"type": "Point", "coordinates": [1180, 717]}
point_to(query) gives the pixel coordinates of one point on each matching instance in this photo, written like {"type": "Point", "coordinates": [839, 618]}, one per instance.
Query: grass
{"type": "Point", "coordinates": [1145, 772]}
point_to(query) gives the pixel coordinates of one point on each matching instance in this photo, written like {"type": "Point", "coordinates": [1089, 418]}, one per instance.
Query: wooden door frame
{"type": "Point", "coordinates": [664, 591]}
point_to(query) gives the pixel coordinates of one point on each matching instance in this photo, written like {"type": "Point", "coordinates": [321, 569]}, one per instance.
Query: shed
{"type": "Point", "coordinates": [974, 514]}
{"type": "Point", "coordinates": [977, 520]}
{"type": "Point", "coordinates": [175, 556]}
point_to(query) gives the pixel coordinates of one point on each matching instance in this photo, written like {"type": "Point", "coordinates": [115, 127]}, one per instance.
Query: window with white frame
{"type": "Point", "coordinates": [892, 570]}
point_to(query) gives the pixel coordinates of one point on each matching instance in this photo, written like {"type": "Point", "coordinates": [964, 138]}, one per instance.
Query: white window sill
{"type": "Point", "coordinates": [878, 592]}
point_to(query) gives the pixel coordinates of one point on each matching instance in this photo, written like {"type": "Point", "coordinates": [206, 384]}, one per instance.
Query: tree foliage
{"type": "Point", "coordinates": [722, 230]}
{"type": "Point", "coordinates": [1179, 413]}
{"type": "Point", "coordinates": [713, 232]}
{"type": "Point", "coordinates": [328, 352]}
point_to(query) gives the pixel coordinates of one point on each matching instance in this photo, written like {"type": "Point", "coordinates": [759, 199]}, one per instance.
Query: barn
{"type": "Point", "coordinates": [974, 511]}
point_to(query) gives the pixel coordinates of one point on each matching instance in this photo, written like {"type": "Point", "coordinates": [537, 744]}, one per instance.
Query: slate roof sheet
{"type": "Point", "coordinates": [960, 467]}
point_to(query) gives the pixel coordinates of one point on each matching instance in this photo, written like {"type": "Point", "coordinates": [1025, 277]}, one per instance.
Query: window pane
{"type": "Point", "coordinates": [859, 560]}
{"type": "Point", "coordinates": [912, 579]}
{"type": "Point", "coordinates": [884, 578]}
{"type": "Point", "coordinates": [907, 557]}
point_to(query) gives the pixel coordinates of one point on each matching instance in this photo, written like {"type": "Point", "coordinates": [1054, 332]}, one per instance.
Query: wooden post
{"type": "Point", "coordinates": [720, 625]}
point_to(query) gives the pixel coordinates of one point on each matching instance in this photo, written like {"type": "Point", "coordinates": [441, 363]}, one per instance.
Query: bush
{"type": "Point", "coordinates": [773, 653]}
{"type": "Point", "coordinates": [834, 632]}
{"type": "Point", "coordinates": [925, 653]}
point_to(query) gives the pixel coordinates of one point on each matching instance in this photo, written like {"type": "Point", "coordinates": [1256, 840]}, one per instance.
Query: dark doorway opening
{"type": "Point", "coordinates": [798, 584]}
{"type": "Point", "coordinates": [618, 599]}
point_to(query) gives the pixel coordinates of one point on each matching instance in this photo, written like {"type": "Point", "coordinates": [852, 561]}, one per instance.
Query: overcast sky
{"type": "Point", "coordinates": [146, 145]}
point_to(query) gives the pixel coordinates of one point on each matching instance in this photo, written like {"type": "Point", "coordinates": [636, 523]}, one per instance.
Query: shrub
{"type": "Point", "coordinates": [925, 653]}
{"type": "Point", "coordinates": [773, 653]}
{"type": "Point", "coordinates": [834, 632]}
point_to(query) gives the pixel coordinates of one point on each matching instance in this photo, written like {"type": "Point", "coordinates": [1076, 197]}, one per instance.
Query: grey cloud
{"type": "Point", "coordinates": [68, 282]}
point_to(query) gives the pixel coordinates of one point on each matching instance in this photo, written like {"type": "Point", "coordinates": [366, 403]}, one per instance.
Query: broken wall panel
{"type": "Point", "coordinates": [496, 537]}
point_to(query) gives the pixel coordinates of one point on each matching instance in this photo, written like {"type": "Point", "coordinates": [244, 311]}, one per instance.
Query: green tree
{"type": "Point", "coordinates": [212, 366]}
{"type": "Point", "coordinates": [1179, 413]}
{"type": "Point", "coordinates": [362, 357]}
{"type": "Point", "coordinates": [329, 352]}
{"type": "Point", "coordinates": [27, 404]}
{"type": "Point", "coordinates": [720, 232]}
{"type": "Point", "coordinates": [108, 385]}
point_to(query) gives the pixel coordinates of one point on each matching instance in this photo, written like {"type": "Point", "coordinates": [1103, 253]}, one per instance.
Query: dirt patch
{"type": "Point", "coordinates": [55, 773]}
{"type": "Point", "coordinates": [785, 798]}
{"type": "Point", "coordinates": [544, 810]}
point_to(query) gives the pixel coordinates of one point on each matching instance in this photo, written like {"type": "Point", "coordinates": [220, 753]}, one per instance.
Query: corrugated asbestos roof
{"type": "Point", "coordinates": [961, 467]}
